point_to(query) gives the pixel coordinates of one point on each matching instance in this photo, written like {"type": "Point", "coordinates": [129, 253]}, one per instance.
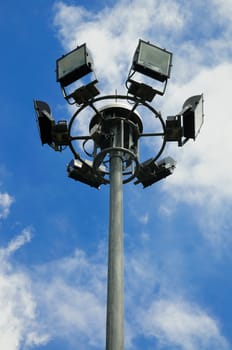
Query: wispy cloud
{"type": "Point", "coordinates": [6, 201]}
{"type": "Point", "coordinates": [16, 243]}
{"type": "Point", "coordinates": [73, 299]}
{"type": "Point", "coordinates": [18, 319]}
{"type": "Point", "coordinates": [182, 324]}
{"type": "Point", "coordinates": [65, 299]}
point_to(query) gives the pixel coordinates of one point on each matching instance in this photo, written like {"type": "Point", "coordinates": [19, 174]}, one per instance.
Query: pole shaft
{"type": "Point", "coordinates": [115, 291]}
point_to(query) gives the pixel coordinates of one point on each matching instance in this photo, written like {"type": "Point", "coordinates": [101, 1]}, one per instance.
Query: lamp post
{"type": "Point", "coordinates": [116, 131]}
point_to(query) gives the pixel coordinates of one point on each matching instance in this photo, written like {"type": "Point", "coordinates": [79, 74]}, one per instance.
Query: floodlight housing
{"type": "Point", "coordinates": [60, 133]}
{"type": "Point", "coordinates": [83, 171]}
{"type": "Point", "coordinates": [151, 171]}
{"type": "Point", "coordinates": [74, 65]}
{"type": "Point", "coordinates": [84, 93]}
{"type": "Point", "coordinates": [174, 129]}
{"type": "Point", "coordinates": [152, 61]}
{"type": "Point", "coordinates": [193, 116]}
{"type": "Point", "coordinates": [141, 90]}
{"type": "Point", "coordinates": [45, 121]}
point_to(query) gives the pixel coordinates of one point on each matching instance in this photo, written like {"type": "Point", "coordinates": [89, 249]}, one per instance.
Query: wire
{"type": "Point", "coordinates": [86, 152]}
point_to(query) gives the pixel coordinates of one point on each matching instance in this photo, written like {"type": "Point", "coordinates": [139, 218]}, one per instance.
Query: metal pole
{"type": "Point", "coordinates": [115, 291]}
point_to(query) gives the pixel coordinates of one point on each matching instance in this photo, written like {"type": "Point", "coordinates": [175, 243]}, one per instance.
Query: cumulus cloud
{"type": "Point", "coordinates": [181, 324]}
{"type": "Point", "coordinates": [202, 178]}
{"type": "Point", "coordinates": [18, 318]}
{"type": "Point", "coordinates": [65, 299]}
{"type": "Point", "coordinates": [203, 167]}
{"type": "Point", "coordinates": [170, 320]}
{"type": "Point", "coordinates": [62, 299]}
{"type": "Point", "coordinates": [72, 298]}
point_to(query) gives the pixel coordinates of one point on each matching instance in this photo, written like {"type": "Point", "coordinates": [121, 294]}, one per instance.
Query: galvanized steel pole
{"type": "Point", "coordinates": [115, 291]}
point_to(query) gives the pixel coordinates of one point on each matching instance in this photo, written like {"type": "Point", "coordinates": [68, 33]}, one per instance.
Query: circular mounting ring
{"type": "Point", "coordinates": [109, 150]}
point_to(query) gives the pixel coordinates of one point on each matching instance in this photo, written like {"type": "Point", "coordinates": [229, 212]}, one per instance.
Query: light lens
{"type": "Point", "coordinates": [74, 66]}
{"type": "Point", "coordinates": [152, 61]}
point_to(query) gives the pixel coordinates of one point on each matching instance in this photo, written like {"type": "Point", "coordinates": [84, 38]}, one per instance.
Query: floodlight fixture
{"type": "Point", "coordinates": [152, 61]}
{"type": "Point", "coordinates": [83, 171]}
{"type": "Point", "coordinates": [151, 171]}
{"type": "Point", "coordinates": [55, 135]}
{"type": "Point", "coordinates": [186, 124]}
{"type": "Point", "coordinates": [74, 65]}
{"type": "Point", "coordinates": [193, 116]}
{"type": "Point", "coordinates": [45, 121]}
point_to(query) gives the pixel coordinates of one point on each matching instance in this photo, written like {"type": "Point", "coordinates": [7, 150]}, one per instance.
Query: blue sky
{"type": "Point", "coordinates": [54, 231]}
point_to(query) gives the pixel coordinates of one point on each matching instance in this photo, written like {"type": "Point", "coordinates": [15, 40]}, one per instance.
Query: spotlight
{"type": "Point", "coordinates": [151, 172]}
{"type": "Point", "coordinates": [153, 62]}
{"type": "Point", "coordinates": [55, 135]}
{"type": "Point", "coordinates": [83, 171]}
{"type": "Point", "coordinates": [193, 116]}
{"type": "Point", "coordinates": [45, 121]}
{"type": "Point", "coordinates": [187, 123]}
{"type": "Point", "coordinates": [74, 65]}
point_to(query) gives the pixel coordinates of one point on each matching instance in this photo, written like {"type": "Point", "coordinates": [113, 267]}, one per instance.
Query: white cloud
{"type": "Point", "coordinates": [160, 307]}
{"type": "Point", "coordinates": [181, 324]}
{"type": "Point", "coordinates": [203, 174]}
{"type": "Point", "coordinates": [5, 203]}
{"type": "Point", "coordinates": [72, 299]}
{"type": "Point", "coordinates": [203, 167]}
{"type": "Point", "coordinates": [16, 243]}
{"type": "Point", "coordinates": [18, 324]}
{"type": "Point", "coordinates": [224, 11]}
{"type": "Point", "coordinates": [65, 299]}
{"type": "Point", "coordinates": [75, 311]}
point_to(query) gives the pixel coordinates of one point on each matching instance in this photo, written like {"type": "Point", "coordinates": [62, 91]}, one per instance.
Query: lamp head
{"type": "Point", "coordinates": [45, 121]}
{"type": "Point", "coordinates": [152, 61]}
{"type": "Point", "coordinates": [83, 171]}
{"type": "Point", "coordinates": [193, 116]}
{"type": "Point", "coordinates": [151, 171]}
{"type": "Point", "coordinates": [187, 123]}
{"type": "Point", "coordinates": [73, 66]}
{"type": "Point", "coordinates": [54, 134]}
